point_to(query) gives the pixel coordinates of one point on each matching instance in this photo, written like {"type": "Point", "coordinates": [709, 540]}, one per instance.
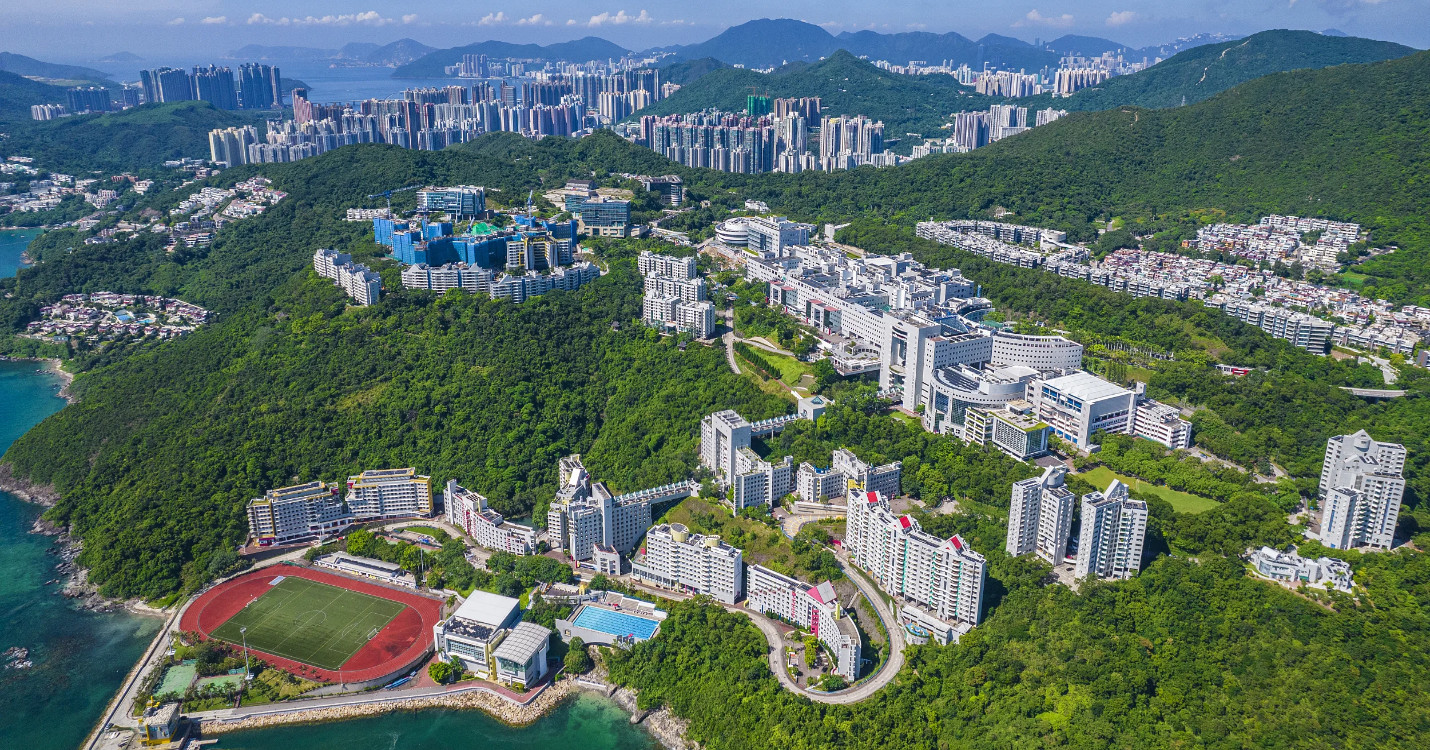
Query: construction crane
{"type": "Point", "coordinates": [388, 195]}
{"type": "Point", "coordinates": [529, 194]}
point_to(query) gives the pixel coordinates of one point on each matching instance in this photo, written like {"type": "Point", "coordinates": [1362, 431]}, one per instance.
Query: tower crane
{"type": "Point", "coordinates": [388, 195]}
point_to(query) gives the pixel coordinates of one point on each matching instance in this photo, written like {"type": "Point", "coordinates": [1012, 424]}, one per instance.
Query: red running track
{"type": "Point", "coordinates": [406, 638]}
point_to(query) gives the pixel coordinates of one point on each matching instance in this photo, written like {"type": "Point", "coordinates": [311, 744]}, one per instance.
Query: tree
{"type": "Point", "coordinates": [577, 660]}
{"type": "Point", "coordinates": [811, 650]}
{"type": "Point", "coordinates": [440, 672]}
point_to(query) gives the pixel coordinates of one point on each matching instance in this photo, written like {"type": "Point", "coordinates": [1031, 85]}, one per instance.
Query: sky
{"type": "Point", "coordinates": [80, 30]}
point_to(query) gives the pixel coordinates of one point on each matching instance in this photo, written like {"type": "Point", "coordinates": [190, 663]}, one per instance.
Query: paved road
{"type": "Point", "coordinates": [729, 338]}
{"type": "Point", "coordinates": [358, 699]}
{"type": "Point", "coordinates": [890, 669]}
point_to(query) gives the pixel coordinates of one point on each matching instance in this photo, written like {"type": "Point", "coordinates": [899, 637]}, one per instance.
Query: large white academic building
{"type": "Point", "coordinates": [1362, 483]}
{"type": "Point", "coordinates": [942, 577]}
{"type": "Point", "coordinates": [693, 563]}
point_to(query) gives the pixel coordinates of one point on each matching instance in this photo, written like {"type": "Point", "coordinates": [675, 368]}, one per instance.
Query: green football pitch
{"type": "Point", "coordinates": [310, 622]}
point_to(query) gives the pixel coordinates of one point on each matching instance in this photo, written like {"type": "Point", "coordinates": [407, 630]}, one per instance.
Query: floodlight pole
{"type": "Point", "coordinates": [247, 668]}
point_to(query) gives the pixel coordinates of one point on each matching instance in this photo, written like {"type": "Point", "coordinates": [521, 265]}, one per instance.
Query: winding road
{"type": "Point", "coordinates": [887, 671]}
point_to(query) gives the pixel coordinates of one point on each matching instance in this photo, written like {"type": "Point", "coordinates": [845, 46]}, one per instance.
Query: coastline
{"type": "Point", "coordinates": [67, 549]}
{"type": "Point", "coordinates": [55, 366]}
{"type": "Point", "coordinates": [501, 709]}
{"type": "Point", "coordinates": [663, 726]}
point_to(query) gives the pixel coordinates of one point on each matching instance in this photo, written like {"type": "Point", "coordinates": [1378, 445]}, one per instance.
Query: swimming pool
{"type": "Point", "coordinates": [615, 623]}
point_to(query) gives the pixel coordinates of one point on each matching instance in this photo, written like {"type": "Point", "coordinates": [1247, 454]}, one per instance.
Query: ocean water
{"type": "Point", "coordinates": [587, 722]}
{"type": "Point", "coordinates": [79, 657]}
{"type": "Point", "coordinates": [12, 243]}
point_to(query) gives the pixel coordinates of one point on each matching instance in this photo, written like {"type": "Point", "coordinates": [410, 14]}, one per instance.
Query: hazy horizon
{"type": "Point", "coordinates": [77, 31]}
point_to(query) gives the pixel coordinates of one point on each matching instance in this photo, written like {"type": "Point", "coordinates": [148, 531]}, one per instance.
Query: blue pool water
{"type": "Point", "coordinates": [615, 623]}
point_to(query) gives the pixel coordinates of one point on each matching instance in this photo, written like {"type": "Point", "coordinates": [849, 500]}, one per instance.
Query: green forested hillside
{"type": "Point", "coordinates": [138, 138]}
{"type": "Point", "coordinates": [17, 93]}
{"type": "Point", "coordinates": [1202, 72]}
{"type": "Point", "coordinates": [845, 84]}
{"type": "Point", "coordinates": [1185, 655]}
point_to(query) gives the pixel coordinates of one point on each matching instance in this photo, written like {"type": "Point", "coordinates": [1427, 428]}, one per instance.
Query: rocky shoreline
{"type": "Point", "coordinates": [67, 549]}
{"type": "Point", "coordinates": [495, 706]}
{"type": "Point", "coordinates": [55, 366]}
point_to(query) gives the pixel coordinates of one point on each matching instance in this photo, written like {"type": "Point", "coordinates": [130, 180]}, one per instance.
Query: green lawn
{"type": "Point", "coordinates": [1182, 502]}
{"type": "Point", "coordinates": [310, 622]}
{"type": "Point", "coordinates": [428, 530]}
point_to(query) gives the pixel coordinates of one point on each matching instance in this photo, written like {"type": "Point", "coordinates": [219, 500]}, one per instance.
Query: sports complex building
{"type": "Point", "coordinates": [323, 625]}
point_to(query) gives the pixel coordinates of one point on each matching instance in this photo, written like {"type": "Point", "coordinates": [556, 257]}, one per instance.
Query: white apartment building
{"type": "Point", "coordinates": [585, 514]}
{"type": "Point", "coordinates": [357, 280]}
{"type": "Point", "coordinates": [1114, 527]}
{"type": "Point", "coordinates": [668, 311]}
{"type": "Point", "coordinates": [450, 276]}
{"type": "Point", "coordinates": [389, 493]}
{"type": "Point", "coordinates": [1362, 483]}
{"type": "Point", "coordinates": [945, 577]}
{"type": "Point", "coordinates": [847, 476]}
{"type": "Point", "coordinates": [652, 264]}
{"type": "Point", "coordinates": [685, 290]}
{"type": "Point", "coordinates": [1077, 405]}
{"type": "Point", "coordinates": [304, 511]}
{"type": "Point", "coordinates": [722, 435]}
{"type": "Point", "coordinates": [1040, 516]}
{"type": "Point", "coordinates": [815, 608]}
{"type": "Point", "coordinates": [759, 482]}
{"type": "Point", "coordinates": [692, 563]}
{"type": "Point", "coordinates": [468, 511]}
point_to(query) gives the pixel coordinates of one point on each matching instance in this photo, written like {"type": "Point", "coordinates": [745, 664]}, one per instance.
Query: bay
{"type": "Point", "coordinates": [12, 245]}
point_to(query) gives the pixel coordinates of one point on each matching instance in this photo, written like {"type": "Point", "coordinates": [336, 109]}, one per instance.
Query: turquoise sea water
{"type": "Point", "coordinates": [586, 723]}
{"type": "Point", "coordinates": [12, 243]}
{"type": "Point", "coordinates": [79, 657]}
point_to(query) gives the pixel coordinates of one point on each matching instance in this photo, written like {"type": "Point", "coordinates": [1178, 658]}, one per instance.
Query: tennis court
{"type": "Point", "coordinates": [309, 622]}
{"type": "Point", "coordinates": [615, 623]}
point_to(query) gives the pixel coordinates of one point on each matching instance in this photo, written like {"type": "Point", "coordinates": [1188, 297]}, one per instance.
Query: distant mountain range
{"type": "Point", "coordinates": [432, 64]}
{"type": "Point", "coordinates": [1201, 72]}
{"type": "Point", "coordinates": [32, 68]}
{"type": "Point", "coordinates": [397, 53]}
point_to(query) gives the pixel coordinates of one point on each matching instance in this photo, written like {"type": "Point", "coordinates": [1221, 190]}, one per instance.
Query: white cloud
{"type": "Point", "coordinates": [366, 18]}
{"type": "Point", "coordinates": [176, 22]}
{"type": "Point", "coordinates": [570, 22]}
{"type": "Point", "coordinates": [535, 20]}
{"type": "Point", "coordinates": [1120, 17]}
{"type": "Point", "coordinates": [409, 18]}
{"type": "Point", "coordinates": [214, 20]}
{"type": "Point", "coordinates": [492, 19]}
{"type": "Point", "coordinates": [1034, 18]}
{"type": "Point", "coordinates": [620, 18]}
